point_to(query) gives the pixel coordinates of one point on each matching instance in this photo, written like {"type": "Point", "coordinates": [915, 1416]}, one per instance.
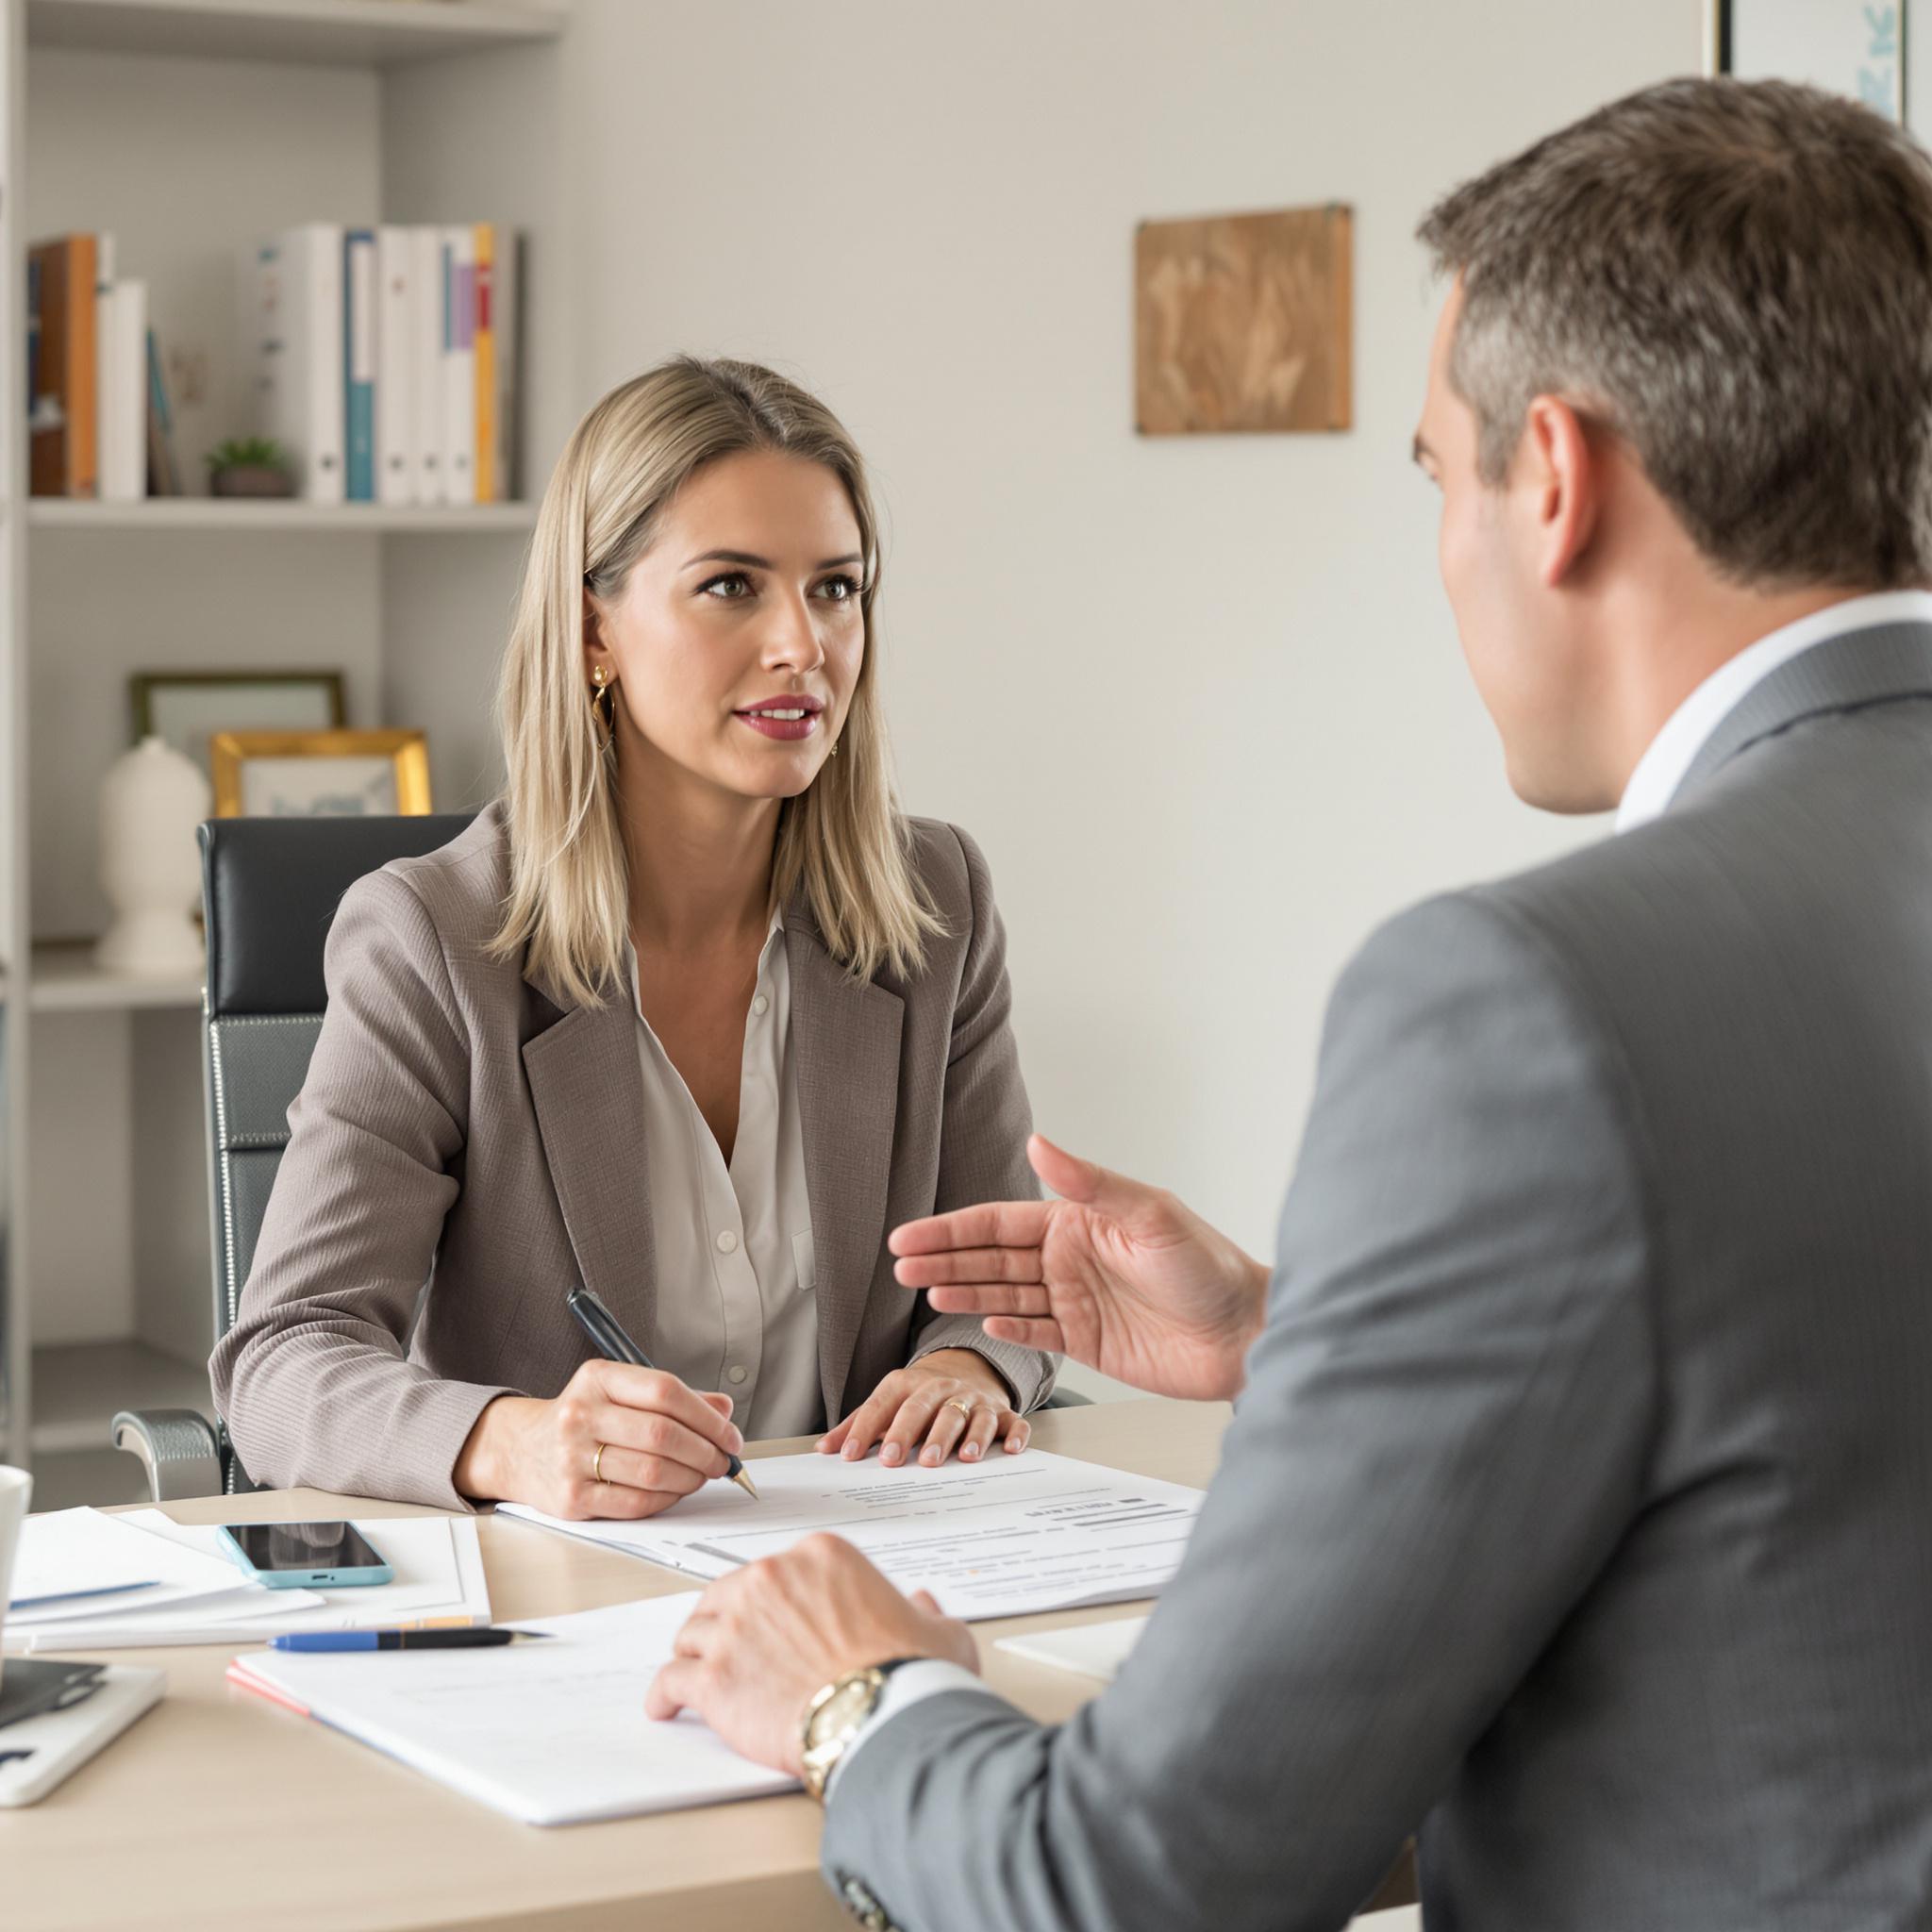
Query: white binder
{"type": "Point", "coordinates": [459, 365]}
{"type": "Point", "coordinates": [425, 384]}
{"type": "Point", "coordinates": [299, 311]}
{"type": "Point", "coordinates": [395, 339]}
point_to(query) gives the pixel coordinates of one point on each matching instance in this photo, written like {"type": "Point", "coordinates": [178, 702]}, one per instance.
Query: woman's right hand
{"type": "Point", "coordinates": [661, 1442]}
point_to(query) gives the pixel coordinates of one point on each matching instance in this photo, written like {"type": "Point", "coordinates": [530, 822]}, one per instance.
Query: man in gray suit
{"type": "Point", "coordinates": [1576, 1512]}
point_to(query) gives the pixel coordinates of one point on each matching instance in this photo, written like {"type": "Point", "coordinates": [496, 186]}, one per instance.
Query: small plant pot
{"type": "Point", "coordinates": [250, 479]}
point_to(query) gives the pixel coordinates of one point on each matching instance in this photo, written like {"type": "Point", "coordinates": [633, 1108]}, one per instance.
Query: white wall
{"type": "Point", "coordinates": [1199, 699]}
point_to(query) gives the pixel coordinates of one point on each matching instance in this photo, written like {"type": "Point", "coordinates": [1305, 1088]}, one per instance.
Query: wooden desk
{"type": "Point", "coordinates": [221, 1812]}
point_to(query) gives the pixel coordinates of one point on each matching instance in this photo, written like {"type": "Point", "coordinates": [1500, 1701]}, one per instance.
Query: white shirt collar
{"type": "Point", "coordinates": [1674, 750]}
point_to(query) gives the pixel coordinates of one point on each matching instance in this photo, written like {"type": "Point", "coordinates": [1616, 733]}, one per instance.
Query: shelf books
{"type": "Point", "coordinates": [387, 360]}
{"type": "Point", "coordinates": [62, 367]}
{"type": "Point", "coordinates": [86, 371]}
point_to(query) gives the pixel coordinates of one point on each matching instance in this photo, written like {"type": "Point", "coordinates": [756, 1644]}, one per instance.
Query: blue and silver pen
{"type": "Point", "coordinates": [401, 1639]}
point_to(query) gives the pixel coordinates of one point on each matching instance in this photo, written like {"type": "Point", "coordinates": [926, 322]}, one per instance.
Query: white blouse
{"type": "Point", "coordinates": [735, 1306]}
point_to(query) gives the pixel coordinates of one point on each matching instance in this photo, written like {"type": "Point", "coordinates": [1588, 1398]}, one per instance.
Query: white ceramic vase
{"type": "Point", "coordinates": [152, 800]}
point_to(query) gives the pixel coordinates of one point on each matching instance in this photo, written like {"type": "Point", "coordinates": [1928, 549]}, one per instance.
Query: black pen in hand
{"type": "Point", "coordinates": [611, 1341]}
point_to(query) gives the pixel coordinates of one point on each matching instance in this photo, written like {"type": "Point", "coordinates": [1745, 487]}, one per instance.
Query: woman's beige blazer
{"type": "Point", "coordinates": [465, 1128]}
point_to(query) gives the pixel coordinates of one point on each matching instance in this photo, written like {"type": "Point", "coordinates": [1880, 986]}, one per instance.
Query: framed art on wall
{"type": "Point", "coordinates": [320, 774]}
{"type": "Point", "coordinates": [185, 708]}
{"type": "Point", "coordinates": [1244, 323]}
{"type": "Point", "coordinates": [1856, 47]}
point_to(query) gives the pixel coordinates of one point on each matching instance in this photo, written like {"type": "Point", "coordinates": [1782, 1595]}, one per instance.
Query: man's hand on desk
{"type": "Point", "coordinates": [764, 1639]}
{"type": "Point", "coordinates": [1117, 1275]}
{"type": "Point", "coordinates": [620, 1441]}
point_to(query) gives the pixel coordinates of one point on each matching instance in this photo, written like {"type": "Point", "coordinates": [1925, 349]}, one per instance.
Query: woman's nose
{"type": "Point", "coordinates": [793, 639]}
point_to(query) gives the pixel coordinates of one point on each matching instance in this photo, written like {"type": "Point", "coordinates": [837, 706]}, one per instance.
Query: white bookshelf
{"type": "Point", "coordinates": [338, 33]}
{"type": "Point", "coordinates": [190, 129]}
{"type": "Point", "coordinates": [271, 518]}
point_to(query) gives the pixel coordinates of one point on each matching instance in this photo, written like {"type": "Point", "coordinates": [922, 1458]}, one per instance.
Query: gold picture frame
{"type": "Point", "coordinates": [320, 774]}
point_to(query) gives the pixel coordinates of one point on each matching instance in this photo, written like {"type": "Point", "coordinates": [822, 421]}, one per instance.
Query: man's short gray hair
{"type": "Point", "coordinates": [1736, 279]}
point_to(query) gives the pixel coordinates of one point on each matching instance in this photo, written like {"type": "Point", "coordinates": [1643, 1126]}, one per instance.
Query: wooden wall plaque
{"type": "Point", "coordinates": [1244, 322]}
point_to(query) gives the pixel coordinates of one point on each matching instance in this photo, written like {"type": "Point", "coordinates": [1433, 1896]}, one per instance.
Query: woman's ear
{"type": "Point", "coordinates": [596, 645]}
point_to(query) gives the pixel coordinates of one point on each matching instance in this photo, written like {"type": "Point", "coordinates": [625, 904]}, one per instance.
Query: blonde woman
{"type": "Point", "coordinates": [691, 1015]}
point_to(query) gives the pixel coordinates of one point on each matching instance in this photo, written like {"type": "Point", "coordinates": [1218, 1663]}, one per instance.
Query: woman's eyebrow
{"type": "Point", "coordinates": [751, 562]}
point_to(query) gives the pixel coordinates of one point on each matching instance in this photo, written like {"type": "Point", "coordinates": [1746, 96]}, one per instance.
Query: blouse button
{"type": "Point", "coordinates": [736, 1374]}
{"type": "Point", "coordinates": [761, 1006]}
{"type": "Point", "coordinates": [728, 1241]}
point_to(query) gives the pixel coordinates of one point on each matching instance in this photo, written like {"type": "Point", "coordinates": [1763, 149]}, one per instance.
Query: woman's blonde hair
{"type": "Point", "coordinates": [842, 841]}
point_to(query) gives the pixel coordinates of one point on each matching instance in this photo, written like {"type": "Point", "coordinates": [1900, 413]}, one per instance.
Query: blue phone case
{"type": "Point", "coordinates": [304, 1579]}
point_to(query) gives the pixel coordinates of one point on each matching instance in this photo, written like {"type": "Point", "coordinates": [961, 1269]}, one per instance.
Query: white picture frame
{"type": "Point", "coordinates": [1853, 47]}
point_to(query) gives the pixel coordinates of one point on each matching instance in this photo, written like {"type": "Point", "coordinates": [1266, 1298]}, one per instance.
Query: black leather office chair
{"type": "Point", "coordinates": [269, 889]}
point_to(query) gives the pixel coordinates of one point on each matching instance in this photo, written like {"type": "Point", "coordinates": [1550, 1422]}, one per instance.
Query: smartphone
{"type": "Point", "coordinates": [293, 1555]}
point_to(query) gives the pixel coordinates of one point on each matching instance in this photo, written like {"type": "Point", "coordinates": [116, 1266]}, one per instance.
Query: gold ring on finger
{"type": "Point", "coordinates": [597, 1463]}
{"type": "Point", "coordinates": [964, 1407]}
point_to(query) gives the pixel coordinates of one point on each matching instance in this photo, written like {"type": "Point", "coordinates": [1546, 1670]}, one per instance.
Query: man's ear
{"type": "Point", "coordinates": [1562, 474]}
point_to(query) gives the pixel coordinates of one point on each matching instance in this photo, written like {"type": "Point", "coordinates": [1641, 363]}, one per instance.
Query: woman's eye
{"type": "Point", "coordinates": [839, 589]}
{"type": "Point", "coordinates": [729, 588]}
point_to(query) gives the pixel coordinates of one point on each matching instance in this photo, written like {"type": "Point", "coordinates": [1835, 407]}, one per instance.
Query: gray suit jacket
{"type": "Point", "coordinates": [458, 1116]}
{"type": "Point", "coordinates": [1578, 1509]}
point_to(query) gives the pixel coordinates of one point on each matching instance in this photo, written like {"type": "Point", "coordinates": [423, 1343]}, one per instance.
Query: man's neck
{"type": "Point", "coordinates": [1671, 639]}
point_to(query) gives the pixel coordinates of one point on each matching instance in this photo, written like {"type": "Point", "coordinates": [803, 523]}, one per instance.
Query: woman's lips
{"type": "Point", "coordinates": [789, 722]}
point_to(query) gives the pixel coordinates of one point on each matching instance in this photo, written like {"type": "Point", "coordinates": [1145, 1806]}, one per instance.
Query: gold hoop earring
{"type": "Point", "coordinates": [603, 699]}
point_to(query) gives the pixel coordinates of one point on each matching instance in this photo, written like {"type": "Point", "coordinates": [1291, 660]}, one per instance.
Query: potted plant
{"type": "Point", "coordinates": [249, 466]}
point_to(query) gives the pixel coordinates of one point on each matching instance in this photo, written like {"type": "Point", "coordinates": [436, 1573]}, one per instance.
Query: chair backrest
{"type": "Point", "coordinates": [269, 889]}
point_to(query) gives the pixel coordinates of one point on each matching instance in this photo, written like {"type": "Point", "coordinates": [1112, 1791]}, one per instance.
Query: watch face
{"type": "Point", "coordinates": [847, 1706]}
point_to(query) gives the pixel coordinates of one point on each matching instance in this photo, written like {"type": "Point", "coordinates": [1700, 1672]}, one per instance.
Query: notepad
{"type": "Point", "coordinates": [547, 1733]}
{"type": "Point", "coordinates": [1002, 1537]}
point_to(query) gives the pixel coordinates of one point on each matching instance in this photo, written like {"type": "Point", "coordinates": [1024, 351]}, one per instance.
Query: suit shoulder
{"type": "Point", "coordinates": [950, 866]}
{"type": "Point", "coordinates": [458, 890]}
{"type": "Point", "coordinates": [461, 886]}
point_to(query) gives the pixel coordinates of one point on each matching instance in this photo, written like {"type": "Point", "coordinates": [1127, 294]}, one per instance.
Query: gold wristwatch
{"type": "Point", "coordinates": [835, 1716]}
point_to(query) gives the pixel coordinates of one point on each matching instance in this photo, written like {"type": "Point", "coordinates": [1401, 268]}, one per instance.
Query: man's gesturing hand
{"type": "Point", "coordinates": [763, 1639]}
{"type": "Point", "coordinates": [1117, 1275]}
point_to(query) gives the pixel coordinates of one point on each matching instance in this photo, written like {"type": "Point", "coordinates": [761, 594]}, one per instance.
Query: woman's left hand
{"type": "Point", "coordinates": [952, 1399]}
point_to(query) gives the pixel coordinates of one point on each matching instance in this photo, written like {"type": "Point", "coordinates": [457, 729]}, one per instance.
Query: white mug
{"type": "Point", "coordinates": [16, 1488]}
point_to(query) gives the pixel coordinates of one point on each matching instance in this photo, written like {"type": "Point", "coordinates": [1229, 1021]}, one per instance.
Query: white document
{"type": "Point", "coordinates": [76, 1550]}
{"type": "Point", "coordinates": [1002, 1538]}
{"type": "Point", "coordinates": [439, 1577]}
{"type": "Point", "coordinates": [1089, 1650]}
{"type": "Point", "coordinates": [551, 1733]}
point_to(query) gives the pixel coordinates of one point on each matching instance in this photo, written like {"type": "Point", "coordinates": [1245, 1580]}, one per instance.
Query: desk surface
{"type": "Point", "coordinates": [220, 1811]}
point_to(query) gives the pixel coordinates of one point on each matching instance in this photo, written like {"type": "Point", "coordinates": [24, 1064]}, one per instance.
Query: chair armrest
{"type": "Point", "coordinates": [179, 1449]}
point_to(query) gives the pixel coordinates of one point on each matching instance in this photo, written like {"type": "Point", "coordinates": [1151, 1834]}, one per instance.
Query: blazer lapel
{"type": "Point", "coordinates": [588, 1089]}
{"type": "Point", "coordinates": [845, 1035]}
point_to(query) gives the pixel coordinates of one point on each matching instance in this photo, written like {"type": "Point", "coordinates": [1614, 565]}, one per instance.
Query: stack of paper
{"type": "Point", "coordinates": [437, 1560]}
{"type": "Point", "coordinates": [1002, 1537]}
{"type": "Point", "coordinates": [78, 1569]}
{"type": "Point", "coordinates": [551, 1733]}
